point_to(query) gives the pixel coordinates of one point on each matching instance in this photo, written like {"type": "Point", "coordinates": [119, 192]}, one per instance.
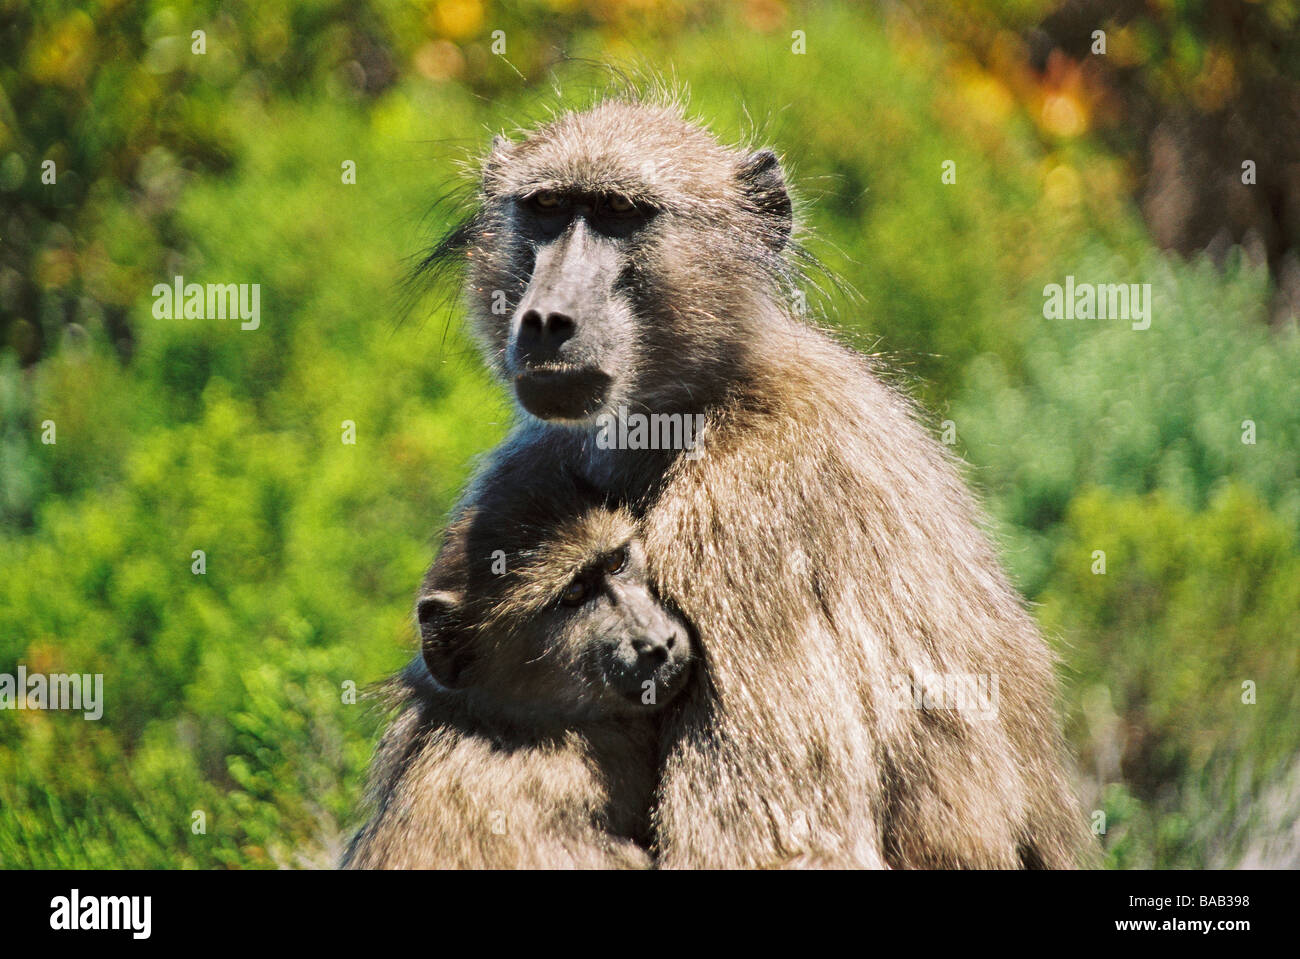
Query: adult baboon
{"type": "Point", "coordinates": [621, 262]}
{"type": "Point", "coordinates": [527, 736]}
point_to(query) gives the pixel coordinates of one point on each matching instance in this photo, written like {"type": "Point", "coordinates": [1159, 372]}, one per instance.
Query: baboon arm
{"type": "Point", "coordinates": [820, 562]}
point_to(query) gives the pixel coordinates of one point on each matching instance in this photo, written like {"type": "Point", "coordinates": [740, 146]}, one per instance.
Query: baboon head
{"type": "Point", "coordinates": [615, 257]}
{"type": "Point", "coordinates": [551, 619]}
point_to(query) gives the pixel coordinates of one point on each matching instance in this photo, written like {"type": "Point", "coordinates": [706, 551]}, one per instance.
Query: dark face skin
{"type": "Point", "coordinates": [605, 646]}
{"type": "Point", "coordinates": [574, 330]}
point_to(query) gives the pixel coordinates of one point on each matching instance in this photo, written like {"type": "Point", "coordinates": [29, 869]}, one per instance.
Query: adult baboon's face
{"type": "Point", "coordinates": [572, 335]}
{"type": "Point", "coordinates": [617, 256]}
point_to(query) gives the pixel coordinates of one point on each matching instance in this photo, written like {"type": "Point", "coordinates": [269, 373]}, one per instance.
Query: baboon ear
{"type": "Point", "coordinates": [764, 183]}
{"type": "Point", "coordinates": [442, 636]}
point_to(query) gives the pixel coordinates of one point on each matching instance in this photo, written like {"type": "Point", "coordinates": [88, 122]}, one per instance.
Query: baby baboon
{"type": "Point", "coordinates": [624, 263]}
{"type": "Point", "coordinates": [527, 736]}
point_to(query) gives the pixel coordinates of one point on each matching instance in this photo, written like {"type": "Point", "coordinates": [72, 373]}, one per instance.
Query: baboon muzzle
{"type": "Point", "coordinates": [559, 337]}
{"type": "Point", "coordinates": [661, 660]}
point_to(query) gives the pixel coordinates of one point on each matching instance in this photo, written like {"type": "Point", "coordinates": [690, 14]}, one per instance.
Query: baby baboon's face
{"type": "Point", "coordinates": [610, 639]}
{"type": "Point", "coordinates": [575, 631]}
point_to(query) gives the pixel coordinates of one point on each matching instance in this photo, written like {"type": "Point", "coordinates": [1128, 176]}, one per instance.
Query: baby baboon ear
{"type": "Point", "coordinates": [764, 184]}
{"type": "Point", "coordinates": [442, 637]}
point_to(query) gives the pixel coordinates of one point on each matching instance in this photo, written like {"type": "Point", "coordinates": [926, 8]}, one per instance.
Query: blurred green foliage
{"type": "Point", "coordinates": [226, 691]}
{"type": "Point", "coordinates": [1175, 451]}
{"type": "Point", "coordinates": [1186, 668]}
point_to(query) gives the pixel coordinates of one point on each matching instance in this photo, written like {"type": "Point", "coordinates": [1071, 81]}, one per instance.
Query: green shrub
{"type": "Point", "coordinates": [1100, 404]}
{"type": "Point", "coordinates": [1183, 660]}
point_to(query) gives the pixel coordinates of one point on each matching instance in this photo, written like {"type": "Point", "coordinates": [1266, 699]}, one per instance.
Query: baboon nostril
{"type": "Point", "coordinates": [652, 650]}
{"type": "Point", "coordinates": [541, 335]}
{"type": "Point", "coordinates": [558, 323]}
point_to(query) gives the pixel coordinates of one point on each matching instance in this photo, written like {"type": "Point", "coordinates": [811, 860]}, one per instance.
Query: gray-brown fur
{"type": "Point", "coordinates": [823, 545]}
{"type": "Point", "coordinates": [530, 757]}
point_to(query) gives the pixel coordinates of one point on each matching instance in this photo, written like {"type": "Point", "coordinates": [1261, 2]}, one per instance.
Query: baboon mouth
{"type": "Point", "coordinates": [632, 685]}
{"type": "Point", "coordinates": [560, 392]}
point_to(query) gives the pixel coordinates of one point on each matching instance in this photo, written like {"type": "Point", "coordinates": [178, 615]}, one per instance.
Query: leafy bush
{"type": "Point", "coordinates": [1098, 403]}
{"type": "Point", "coordinates": [1184, 667]}
{"type": "Point", "coordinates": [1133, 443]}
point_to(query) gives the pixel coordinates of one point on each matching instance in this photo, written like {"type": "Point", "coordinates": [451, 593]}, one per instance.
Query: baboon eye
{"type": "Point", "coordinates": [617, 203]}
{"type": "Point", "coordinates": [546, 200]}
{"type": "Point", "coordinates": [615, 562]}
{"type": "Point", "coordinates": [575, 593]}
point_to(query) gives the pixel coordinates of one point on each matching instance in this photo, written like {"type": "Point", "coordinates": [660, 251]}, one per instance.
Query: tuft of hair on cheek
{"type": "Point", "coordinates": [495, 284]}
